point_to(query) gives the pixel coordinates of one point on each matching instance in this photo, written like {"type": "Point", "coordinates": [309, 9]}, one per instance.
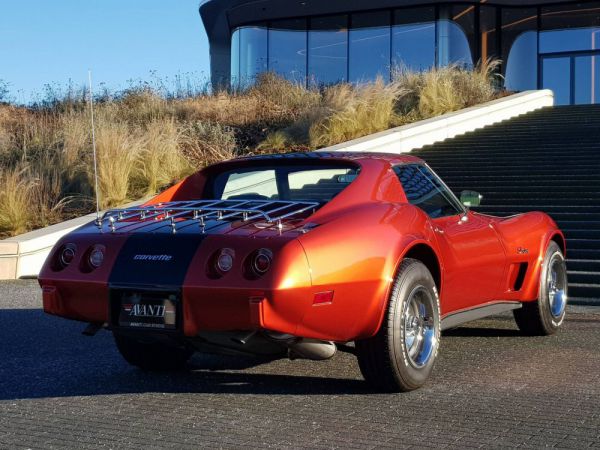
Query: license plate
{"type": "Point", "coordinates": [143, 310]}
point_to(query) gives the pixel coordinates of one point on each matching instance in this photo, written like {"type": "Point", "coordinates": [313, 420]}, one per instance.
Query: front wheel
{"type": "Point", "coordinates": [152, 355]}
{"type": "Point", "coordinates": [401, 355]}
{"type": "Point", "coordinates": [545, 315]}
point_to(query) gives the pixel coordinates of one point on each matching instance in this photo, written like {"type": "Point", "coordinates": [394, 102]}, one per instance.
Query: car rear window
{"type": "Point", "coordinates": [286, 182]}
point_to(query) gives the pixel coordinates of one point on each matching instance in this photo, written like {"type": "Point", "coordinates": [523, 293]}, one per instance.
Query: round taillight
{"type": "Point", "coordinates": [225, 260]}
{"type": "Point", "coordinates": [67, 255]}
{"type": "Point", "coordinates": [96, 257]}
{"type": "Point", "coordinates": [262, 261]}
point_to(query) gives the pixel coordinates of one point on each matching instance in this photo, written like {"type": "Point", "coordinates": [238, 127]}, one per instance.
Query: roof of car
{"type": "Point", "coordinates": [392, 158]}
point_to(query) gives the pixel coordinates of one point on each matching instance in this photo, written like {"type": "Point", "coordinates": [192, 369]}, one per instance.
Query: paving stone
{"type": "Point", "coordinates": [491, 388]}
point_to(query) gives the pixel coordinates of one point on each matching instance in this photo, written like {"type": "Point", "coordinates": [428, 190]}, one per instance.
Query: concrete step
{"type": "Point", "coordinates": [582, 265]}
{"type": "Point", "coordinates": [581, 277]}
{"type": "Point", "coordinates": [584, 290]}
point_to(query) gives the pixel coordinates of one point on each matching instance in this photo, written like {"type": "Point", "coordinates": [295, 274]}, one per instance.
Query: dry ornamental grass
{"type": "Point", "coordinates": [146, 141]}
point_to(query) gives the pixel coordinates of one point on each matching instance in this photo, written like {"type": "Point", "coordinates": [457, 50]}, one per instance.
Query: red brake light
{"type": "Point", "coordinates": [261, 262]}
{"type": "Point", "coordinates": [66, 255]}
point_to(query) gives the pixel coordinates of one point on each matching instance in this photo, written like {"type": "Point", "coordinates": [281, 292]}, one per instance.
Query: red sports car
{"type": "Point", "coordinates": [303, 254]}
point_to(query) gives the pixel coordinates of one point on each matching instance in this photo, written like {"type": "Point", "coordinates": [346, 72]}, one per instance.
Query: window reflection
{"type": "Point", "coordinates": [456, 35]}
{"type": "Point", "coordinates": [235, 58]}
{"type": "Point", "coordinates": [369, 46]}
{"type": "Point", "coordinates": [253, 53]}
{"type": "Point", "coordinates": [519, 48]}
{"type": "Point", "coordinates": [287, 49]}
{"type": "Point", "coordinates": [413, 39]}
{"type": "Point", "coordinates": [521, 63]}
{"type": "Point", "coordinates": [328, 49]}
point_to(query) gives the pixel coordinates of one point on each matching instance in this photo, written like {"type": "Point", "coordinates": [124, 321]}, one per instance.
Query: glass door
{"type": "Point", "coordinates": [574, 77]}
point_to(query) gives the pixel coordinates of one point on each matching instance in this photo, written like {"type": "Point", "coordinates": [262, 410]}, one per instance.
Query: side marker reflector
{"type": "Point", "coordinates": [323, 298]}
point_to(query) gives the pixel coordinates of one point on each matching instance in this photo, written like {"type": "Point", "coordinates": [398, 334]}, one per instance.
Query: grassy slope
{"type": "Point", "coordinates": [146, 142]}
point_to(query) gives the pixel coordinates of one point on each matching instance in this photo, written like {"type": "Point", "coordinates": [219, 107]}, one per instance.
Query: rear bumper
{"type": "Point", "coordinates": [203, 309]}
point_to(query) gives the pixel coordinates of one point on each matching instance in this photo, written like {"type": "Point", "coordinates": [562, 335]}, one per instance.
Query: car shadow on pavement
{"type": "Point", "coordinates": [43, 356]}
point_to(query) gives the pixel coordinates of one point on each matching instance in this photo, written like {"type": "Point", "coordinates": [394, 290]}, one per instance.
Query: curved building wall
{"type": "Point", "coordinates": [547, 45]}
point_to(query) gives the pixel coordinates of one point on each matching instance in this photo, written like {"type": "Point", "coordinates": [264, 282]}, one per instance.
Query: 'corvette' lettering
{"type": "Point", "coordinates": [164, 258]}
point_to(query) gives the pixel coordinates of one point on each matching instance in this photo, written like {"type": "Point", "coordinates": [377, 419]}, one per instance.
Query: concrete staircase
{"type": "Point", "coordinates": [547, 160]}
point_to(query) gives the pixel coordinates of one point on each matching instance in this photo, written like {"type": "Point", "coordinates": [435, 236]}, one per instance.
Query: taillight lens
{"type": "Point", "coordinates": [96, 257]}
{"type": "Point", "coordinates": [261, 262]}
{"type": "Point", "coordinates": [67, 255]}
{"type": "Point", "coordinates": [225, 261]}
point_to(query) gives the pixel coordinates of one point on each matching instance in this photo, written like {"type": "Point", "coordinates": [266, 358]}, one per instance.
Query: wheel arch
{"type": "Point", "coordinates": [531, 287]}
{"type": "Point", "coordinates": [422, 251]}
{"type": "Point", "coordinates": [560, 241]}
{"type": "Point", "coordinates": [425, 254]}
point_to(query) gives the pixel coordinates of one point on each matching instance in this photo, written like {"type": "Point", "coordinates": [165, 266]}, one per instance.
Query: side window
{"type": "Point", "coordinates": [319, 184]}
{"type": "Point", "coordinates": [425, 190]}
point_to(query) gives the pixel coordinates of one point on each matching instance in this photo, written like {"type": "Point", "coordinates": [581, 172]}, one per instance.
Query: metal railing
{"type": "Point", "coordinates": [203, 211]}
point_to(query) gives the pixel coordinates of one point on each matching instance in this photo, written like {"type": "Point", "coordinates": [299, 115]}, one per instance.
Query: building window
{"type": "Point", "coordinates": [413, 39]}
{"type": "Point", "coordinates": [556, 75]}
{"type": "Point", "coordinates": [519, 48]}
{"type": "Point", "coordinates": [287, 49]}
{"type": "Point", "coordinates": [568, 28]}
{"type": "Point", "coordinates": [253, 53]}
{"type": "Point", "coordinates": [328, 49]}
{"type": "Point", "coordinates": [370, 40]}
{"type": "Point", "coordinates": [235, 58]}
{"type": "Point", "coordinates": [488, 33]}
{"type": "Point", "coordinates": [587, 79]}
{"type": "Point", "coordinates": [456, 35]}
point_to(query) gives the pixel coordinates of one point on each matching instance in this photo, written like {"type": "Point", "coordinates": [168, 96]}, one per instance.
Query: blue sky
{"type": "Point", "coordinates": [52, 41]}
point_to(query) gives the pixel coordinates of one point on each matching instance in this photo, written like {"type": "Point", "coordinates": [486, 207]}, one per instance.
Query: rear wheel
{"type": "Point", "coordinates": [401, 355]}
{"type": "Point", "coordinates": [545, 315]}
{"type": "Point", "coordinates": [152, 355]}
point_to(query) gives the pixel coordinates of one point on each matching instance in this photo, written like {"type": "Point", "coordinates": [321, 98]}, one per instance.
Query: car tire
{"type": "Point", "coordinates": [544, 316]}
{"type": "Point", "coordinates": [401, 355]}
{"type": "Point", "coordinates": [152, 355]}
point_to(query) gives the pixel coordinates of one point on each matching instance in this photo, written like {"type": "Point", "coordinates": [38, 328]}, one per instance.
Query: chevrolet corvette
{"type": "Point", "coordinates": [301, 255]}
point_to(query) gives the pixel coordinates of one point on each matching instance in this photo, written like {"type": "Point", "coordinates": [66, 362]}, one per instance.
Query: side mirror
{"type": "Point", "coordinates": [470, 198]}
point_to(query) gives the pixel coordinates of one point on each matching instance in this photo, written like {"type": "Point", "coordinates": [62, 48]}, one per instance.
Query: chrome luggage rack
{"type": "Point", "coordinates": [202, 211]}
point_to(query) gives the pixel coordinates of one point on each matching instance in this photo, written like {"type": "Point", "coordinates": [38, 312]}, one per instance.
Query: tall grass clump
{"type": "Point", "coordinates": [118, 150]}
{"type": "Point", "coordinates": [446, 89]}
{"type": "Point", "coordinates": [204, 143]}
{"type": "Point", "coordinates": [355, 111]}
{"type": "Point", "coordinates": [159, 161]}
{"type": "Point", "coordinates": [15, 200]}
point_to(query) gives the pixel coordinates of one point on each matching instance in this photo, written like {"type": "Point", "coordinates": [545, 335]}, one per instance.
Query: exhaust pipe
{"type": "Point", "coordinates": [311, 349]}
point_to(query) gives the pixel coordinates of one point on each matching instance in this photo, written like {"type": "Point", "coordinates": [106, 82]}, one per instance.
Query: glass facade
{"type": "Point", "coordinates": [414, 39]}
{"type": "Point", "coordinates": [369, 51]}
{"type": "Point", "coordinates": [555, 47]}
{"type": "Point", "coordinates": [328, 49]}
{"type": "Point", "coordinates": [287, 48]}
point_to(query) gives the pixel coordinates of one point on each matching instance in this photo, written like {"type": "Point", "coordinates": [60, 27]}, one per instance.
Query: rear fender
{"type": "Point", "coordinates": [404, 247]}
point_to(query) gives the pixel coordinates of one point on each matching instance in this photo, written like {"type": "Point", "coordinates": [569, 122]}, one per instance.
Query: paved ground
{"type": "Point", "coordinates": [491, 388]}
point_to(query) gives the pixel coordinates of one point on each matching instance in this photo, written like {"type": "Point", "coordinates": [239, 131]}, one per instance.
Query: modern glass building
{"type": "Point", "coordinates": [548, 44]}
